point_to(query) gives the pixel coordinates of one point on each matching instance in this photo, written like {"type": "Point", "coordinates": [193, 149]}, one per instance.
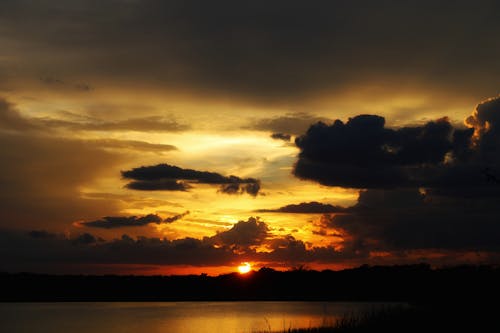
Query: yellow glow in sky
{"type": "Point", "coordinates": [244, 268]}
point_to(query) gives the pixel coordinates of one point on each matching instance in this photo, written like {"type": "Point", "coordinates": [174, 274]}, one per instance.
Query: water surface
{"type": "Point", "coordinates": [172, 317]}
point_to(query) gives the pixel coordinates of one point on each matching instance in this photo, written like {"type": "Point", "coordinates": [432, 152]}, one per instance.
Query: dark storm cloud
{"type": "Point", "coordinates": [431, 187]}
{"type": "Point", "coordinates": [312, 207]}
{"type": "Point", "coordinates": [486, 123]}
{"type": "Point", "coordinates": [112, 222]}
{"type": "Point", "coordinates": [243, 234]}
{"type": "Point", "coordinates": [363, 153]}
{"type": "Point", "coordinates": [403, 220]}
{"type": "Point", "coordinates": [172, 178]}
{"type": "Point", "coordinates": [23, 251]}
{"type": "Point", "coordinates": [158, 185]}
{"type": "Point", "coordinates": [260, 50]}
{"type": "Point", "coordinates": [229, 247]}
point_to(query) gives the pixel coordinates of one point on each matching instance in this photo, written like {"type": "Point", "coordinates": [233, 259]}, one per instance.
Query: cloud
{"type": "Point", "coordinates": [405, 220]}
{"type": "Point", "coordinates": [289, 124]}
{"type": "Point", "coordinates": [134, 145]}
{"type": "Point", "coordinates": [85, 239]}
{"type": "Point", "coordinates": [363, 153]}
{"type": "Point", "coordinates": [281, 136]}
{"type": "Point", "coordinates": [42, 173]}
{"type": "Point", "coordinates": [431, 187]}
{"type": "Point", "coordinates": [42, 176]}
{"type": "Point", "coordinates": [172, 178]}
{"type": "Point", "coordinates": [175, 217]}
{"type": "Point", "coordinates": [11, 120]}
{"type": "Point", "coordinates": [252, 188]}
{"type": "Point", "coordinates": [243, 234]}
{"type": "Point", "coordinates": [382, 222]}
{"type": "Point", "coordinates": [140, 124]}
{"type": "Point", "coordinates": [57, 83]}
{"type": "Point", "coordinates": [158, 185]}
{"type": "Point", "coordinates": [112, 222]}
{"type": "Point", "coordinates": [485, 121]}
{"type": "Point", "coordinates": [312, 207]}
{"type": "Point", "coordinates": [61, 253]}
{"type": "Point", "coordinates": [289, 50]}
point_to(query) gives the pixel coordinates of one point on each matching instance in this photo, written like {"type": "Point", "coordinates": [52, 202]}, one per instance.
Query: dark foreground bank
{"type": "Point", "coordinates": [415, 284]}
{"type": "Point", "coordinates": [478, 317]}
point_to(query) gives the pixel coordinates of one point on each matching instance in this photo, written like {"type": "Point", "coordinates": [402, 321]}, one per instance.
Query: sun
{"type": "Point", "coordinates": [244, 268]}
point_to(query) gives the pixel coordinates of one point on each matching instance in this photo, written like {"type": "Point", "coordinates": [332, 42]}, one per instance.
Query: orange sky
{"type": "Point", "coordinates": [88, 91]}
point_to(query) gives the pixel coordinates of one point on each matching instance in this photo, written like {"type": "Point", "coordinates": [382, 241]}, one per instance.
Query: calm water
{"type": "Point", "coordinates": [171, 317]}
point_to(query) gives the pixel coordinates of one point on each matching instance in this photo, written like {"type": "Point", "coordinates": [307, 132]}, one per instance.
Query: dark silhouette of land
{"type": "Point", "coordinates": [415, 284]}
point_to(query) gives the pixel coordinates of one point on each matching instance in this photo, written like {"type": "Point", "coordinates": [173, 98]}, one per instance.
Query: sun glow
{"type": "Point", "coordinates": [244, 268]}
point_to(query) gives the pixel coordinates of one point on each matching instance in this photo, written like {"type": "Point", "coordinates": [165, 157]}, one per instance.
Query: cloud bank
{"type": "Point", "coordinates": [286, 50]}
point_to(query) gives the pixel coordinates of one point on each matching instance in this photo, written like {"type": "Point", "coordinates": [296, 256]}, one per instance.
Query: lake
{"type": "Point", "coordinates": [172, 317]}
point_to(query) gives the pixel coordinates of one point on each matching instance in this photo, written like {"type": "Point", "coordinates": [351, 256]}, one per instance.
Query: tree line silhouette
{"type": "Point", "coordinates": [409, 283]}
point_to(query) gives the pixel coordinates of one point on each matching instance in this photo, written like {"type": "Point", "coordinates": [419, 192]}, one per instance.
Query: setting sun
{"type": "Point", "coordinates": [244, 268]}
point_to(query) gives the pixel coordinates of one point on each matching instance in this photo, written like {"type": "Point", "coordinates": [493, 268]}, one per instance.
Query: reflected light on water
{"type": "Point", "coordinates": [172, 317]}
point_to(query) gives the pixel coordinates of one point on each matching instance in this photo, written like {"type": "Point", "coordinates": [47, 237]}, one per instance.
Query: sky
{"type": "Point", "coordinates": [188, 137]}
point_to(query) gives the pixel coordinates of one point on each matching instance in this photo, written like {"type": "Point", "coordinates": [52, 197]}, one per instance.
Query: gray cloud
{"type": "Point", "coordinates": [405, 220]}
{"type": "Point", "coordinates": [172, 178]}
{"type": "Point", "coordinates": [243, 234]}
{"type": "Point", "coordinates": [363, 153]}
{"type": "Point", "coordinates": [112, 222]}
{"type": "Point", "coordinates": [285, 50]}
{"type": "Point", "coordinates": [158, 185]}
{"type": "Point", "coordinates": [174, 218]}
{"type": "Point", "coordinates": [381, 221]}
{"type": "Point", "coordinates": [25, 251]}
{"type": "Point", "coordinates": [312, 207]}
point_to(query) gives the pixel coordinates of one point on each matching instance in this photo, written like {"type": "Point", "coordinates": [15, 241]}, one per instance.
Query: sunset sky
{"type": "Point", "coordinates": [179, 137]}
